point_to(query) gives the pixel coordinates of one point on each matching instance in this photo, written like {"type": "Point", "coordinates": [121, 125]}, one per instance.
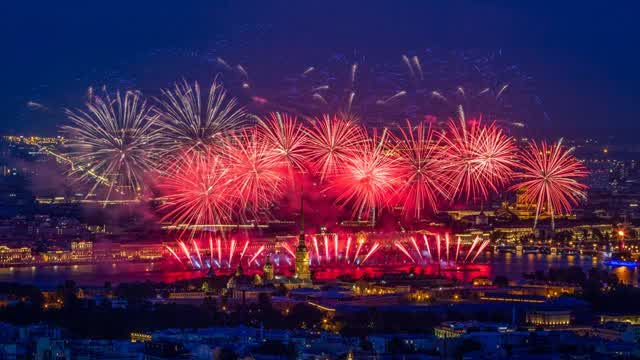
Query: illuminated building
{"type": "Point", "coordinates": [365, 288]}
{"type": "Point", "coordinates": [140, 251]}
{"type": "Point", "coordinates": [57, 256]}
{"type": "Point", "coordinates": [140, 337]}
{"type": "Point", "coordinates": [267, 270]}
{"type": "Point", "coordinates": [420, 296]}
{"type": "Point", "coordinates": [449, 331]}
{"type": "Point", "coordinates": [455, 329]}
{"type": "Point", "coordinates": [244, 289]}
{"type": "Point", "coordinates": [20, 255]}
{"type": "Point", "coordinates": [630, 319]}
{"type": "Point", "coordinates": [550, 318]}
{"type": "Point", "coordinates": [302, 253]}
{"type": "Point", "coordinates": [82, 250]}
{"type": "Point", "coordinates": [482, 281]}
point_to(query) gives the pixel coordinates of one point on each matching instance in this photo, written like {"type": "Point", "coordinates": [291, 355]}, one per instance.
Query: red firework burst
{"type": "Point", "coordinates": [422, 182]}
{"type": "Point", "coordinates": [368, 178]}
{"type": "Point", "coordinates": [197, 190]}
{"type": "Point", "coordinates": [549, 178]}
{"type": "Point", "coordinates": [286, 136]}
{"type": "Point", "coordinates": [254, 169]}
{"type": "Point", "coordinates": [332, 141]}
{"type": "Point", "coordinates": [478, 158]}
{"type": "Point", "coordinates": [496, 156]}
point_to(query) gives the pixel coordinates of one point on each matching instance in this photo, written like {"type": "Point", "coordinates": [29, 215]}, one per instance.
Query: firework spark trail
{"type": "Point", "coordinates": [191, 121]}
{"type": "Point", "coordinates": [473, 245]}
{"type": "Point", "coordinates": [504, 87]}
{"type": "Point", "coordinates": [113, 143]}
{"type": "Point", "coordinates": [438, 246]}
{"type": "Point", "coordinates": [288, 249]}
{"type": "Point", "coordinates": [405, 59]}
{"type": "Point", "coordinates": [242, 71]}
{"type": "Point", "coordinates": [174, 254]}
{"type": "Point", "coordinates": [287, 138]}
{"type": "Point", "coordinates": [354, 69]}
{"type": "Point", "coordinates": [331, 142]}
{"type": "Point", "coordinates": [484, 91]}
{"type": "Point", "coordinates": [426, 244]}
{"type": "Point", "coordinates": [369, 178]}
{"type": "Point", "coordinates": [393, 97]}
{"type": "Point", "coordinates": [335, 246]}
{"type": "Point", "coordinates": [404, 251]}
{"type": "Point", "coordinates": [416, 63]}
{"type": "Point", "coordinates": [423, 183]}
{"type": "Point", "coordinates": [326, 248]}
{"type": "Point", "coordinates": [352, 96]}
{"type": "Point", "coordinates": [308, 70]}
{"type": "Point", "coordinates": [438, 95]}
{"type": "Point", "coordinates": [320, 88]}
{"type": "Point", "coordinates": [186, 252]}
{"type": "Point", "coordinates": [484, 245]}
{"type": "Point", "coordinates": [244, 249]}
{"type": "Point", "coordinates": [319, 97]}
{"type": "Point", "coordinates": [255, 256]}
{"type": "Point", "coordinates": [315, 245]}
{"type": "Point", "coordinates": [219, 245]}
{"type": "Point", "coordinates": [446, 241]}
{"type": "Point", "coordinates": [223, 63]}
{"type": "Point", "coordinates": [197, 250]}
{"type": "Point", "coordinates": [346, 253]}
{"type": "Point", "coordinates": [232, 250]}
{"type": "Point", "coordinates": [355, 257]}
{"type": "Point", "coordinates": [211, 250]}
{"type": "Point", "coordinates": [457, 249]}
{"type": "Point", "coordinates": [373, 249]}
{"type": "Point", "coordinates": [549, 179]}
{"type": "Point", "coordinates": [197, 192]}
{"type": "Point", "coordinates": [415, 245]}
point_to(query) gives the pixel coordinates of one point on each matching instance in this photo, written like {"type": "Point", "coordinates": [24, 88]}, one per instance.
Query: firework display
{"type": "Point", "coordinates": [113, 142]}
{"type": "Point", "coordinates": [189, 121]}
{"type": "Point", "coordinates": [550, 178]}
{"type": "Point", "coordinates": [415, 169]}
{"type": "Point", "coordinates": [198, 190]}
{"type": "Point", "coordinates": [422, 181]}
{"type": "Point", "coordinates": [214, 169]}
{"type": "Point", "coordinates": [332, 140]}
{"type": "Point", "coordinates": [478, 158]}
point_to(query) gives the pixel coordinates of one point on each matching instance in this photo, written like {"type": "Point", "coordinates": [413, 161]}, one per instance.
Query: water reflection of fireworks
{"type": "Point", "coordinates": [330, 250]}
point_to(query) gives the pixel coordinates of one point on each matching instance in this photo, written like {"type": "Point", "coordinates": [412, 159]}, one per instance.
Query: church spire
{"type": "Point", "coordinates": [301, 234]}
{"type": "Point", "coordinates": [302, 254]}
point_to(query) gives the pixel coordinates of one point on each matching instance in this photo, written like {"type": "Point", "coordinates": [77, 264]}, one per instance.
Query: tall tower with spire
{"type": "Point", "coordinates": [302, 253]}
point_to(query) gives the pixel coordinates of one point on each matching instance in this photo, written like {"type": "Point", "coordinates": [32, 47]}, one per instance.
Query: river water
{"type": "Point", "coordinates": [510, 265]}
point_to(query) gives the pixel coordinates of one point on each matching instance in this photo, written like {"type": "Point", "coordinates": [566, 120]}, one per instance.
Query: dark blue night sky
{"type": "Point", "coordinates": [583, 55]}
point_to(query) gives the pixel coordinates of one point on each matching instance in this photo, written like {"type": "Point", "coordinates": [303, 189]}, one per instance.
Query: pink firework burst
{"type": "Point", "coordinates": [368, 178]}
{"type": "Point", "coordinates": [197, 191]}
{"type": "Point", "coordinates": [478, 159]}
{"type": "Point", "coordinates": [550, 178]}
{"type": "Point", "coordinates": [286, 136]}
{"type": "Point", "coordinates": [496, 156]}
{"type": "Point", "coordinates": [422, 182]}
{"type": "Point", "coordinates": [254, 169]}
{"type": "Point", "coordinates": [332, 141]}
